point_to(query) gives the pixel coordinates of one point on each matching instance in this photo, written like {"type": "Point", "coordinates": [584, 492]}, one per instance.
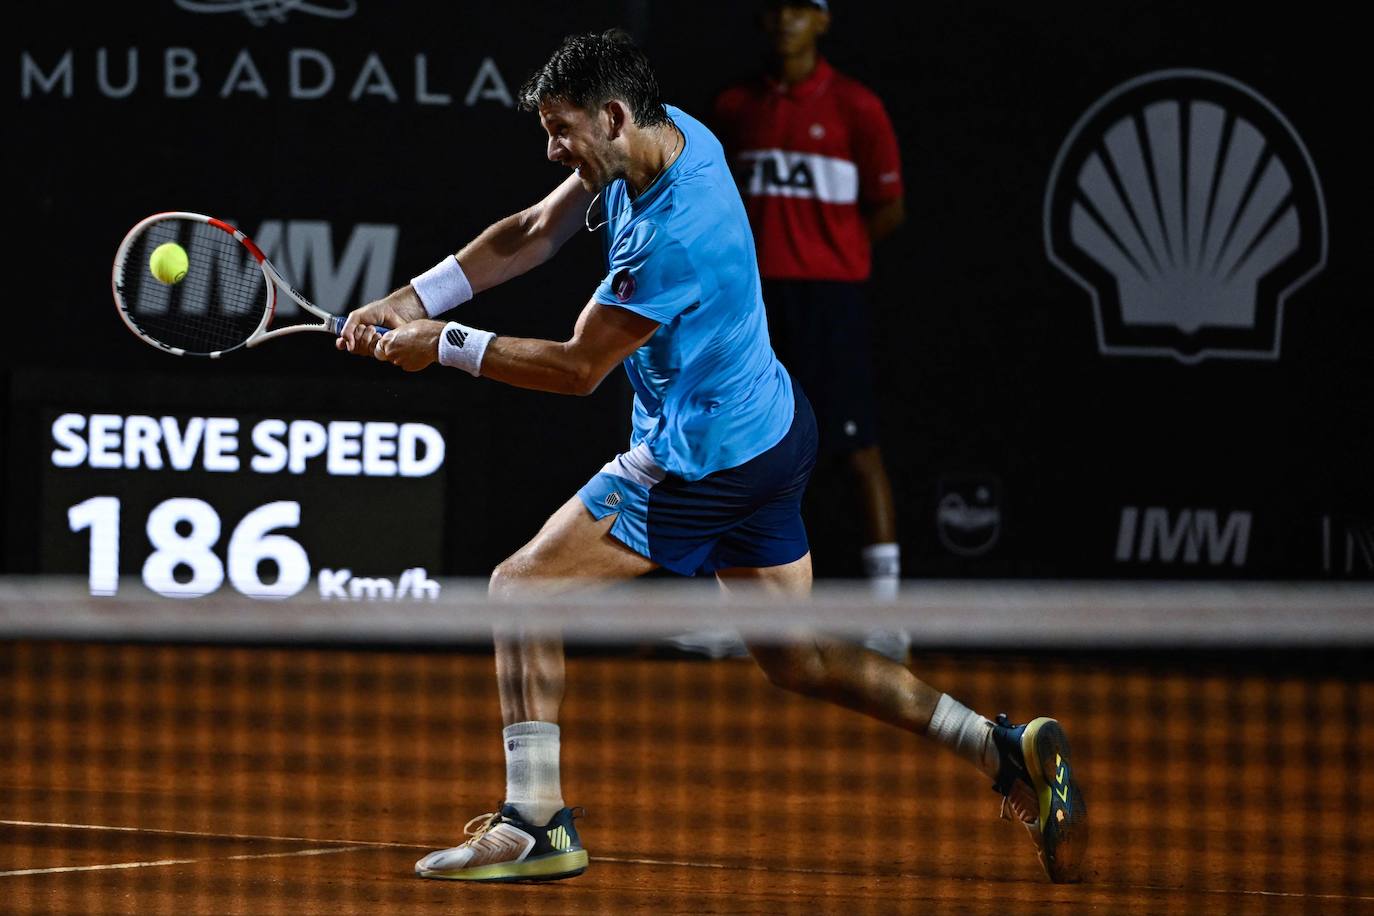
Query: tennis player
{"type": "Point", "coordinates": [722, 447]}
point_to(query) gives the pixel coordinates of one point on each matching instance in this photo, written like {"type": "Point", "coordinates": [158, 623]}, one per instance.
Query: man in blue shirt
{"type": "Point", "coordinates": [722, 447]}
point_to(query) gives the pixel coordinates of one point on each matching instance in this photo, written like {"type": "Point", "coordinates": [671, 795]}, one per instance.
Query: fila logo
{"type": "Point", "coordinates": [787, 173]}
{"type": "Point", "coordinates": [776, 174]}
{"type": "Point", "coordinates": [559, 839]}
{"type": "Point", "coordinates": [456, 337]}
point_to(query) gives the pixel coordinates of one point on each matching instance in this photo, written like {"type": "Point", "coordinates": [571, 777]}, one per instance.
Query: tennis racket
{"type": "Point", "coordinates": [225, 301]}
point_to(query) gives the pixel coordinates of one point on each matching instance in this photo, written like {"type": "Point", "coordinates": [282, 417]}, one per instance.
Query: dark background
{"type": "Point", "coordinates": [986, 352]}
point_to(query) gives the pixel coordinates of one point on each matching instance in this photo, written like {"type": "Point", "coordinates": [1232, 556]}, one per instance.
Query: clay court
{"type": "Point", "coordinates": [169, 779]}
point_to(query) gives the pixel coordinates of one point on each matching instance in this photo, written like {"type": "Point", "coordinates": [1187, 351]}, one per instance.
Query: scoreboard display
{"type": "Point", "coordinates": [267, 503]}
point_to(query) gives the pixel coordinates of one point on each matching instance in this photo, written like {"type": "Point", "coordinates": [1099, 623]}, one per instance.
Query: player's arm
{"type": "Point", "coordinates": [524, 240]}
{"type": "Point", "coordinates": [602, 338]}
{"type": "Point", "coordinates": [505, 249]}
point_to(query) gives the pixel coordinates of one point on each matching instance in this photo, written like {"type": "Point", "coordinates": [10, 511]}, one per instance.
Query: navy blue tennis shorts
{"type": "Point", "coordinates": [820, 331]}
{"type": "Point", "coordinates": [745, 516]}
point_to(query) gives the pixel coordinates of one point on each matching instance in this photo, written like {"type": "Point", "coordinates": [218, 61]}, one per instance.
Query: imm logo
{"type": "Point", "coordinates": [304, 250]}
{"type": "Point", "coordinates": [1348, 546]}
{"type": "Point", "coordinates": [1191, 536]}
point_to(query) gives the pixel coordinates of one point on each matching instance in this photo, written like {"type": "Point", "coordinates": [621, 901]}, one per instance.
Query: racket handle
{"type": "Point", "coordinates": [337, 322]}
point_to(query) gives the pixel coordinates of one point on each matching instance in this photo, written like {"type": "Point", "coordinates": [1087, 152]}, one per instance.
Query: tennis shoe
{"type": "Point", "coordinates": [502, 847]}
{"type": "Point", "coordinates": [1038, 786]}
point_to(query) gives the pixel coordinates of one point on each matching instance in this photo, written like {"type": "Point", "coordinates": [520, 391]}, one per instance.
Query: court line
{"type": "Point", "coordinates": [160, 862]}
{"type": "Point", "coordinates": [215, 836]}
{"type": "Point", "coordinates": [615, 860]}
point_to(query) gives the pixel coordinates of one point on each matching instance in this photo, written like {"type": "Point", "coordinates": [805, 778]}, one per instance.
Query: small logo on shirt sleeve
{"type": "Point", "coordinates": [623, 285]}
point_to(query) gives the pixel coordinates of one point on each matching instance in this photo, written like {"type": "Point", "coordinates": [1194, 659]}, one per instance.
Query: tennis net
{"type": "Point", "coordinates": [229, 755]}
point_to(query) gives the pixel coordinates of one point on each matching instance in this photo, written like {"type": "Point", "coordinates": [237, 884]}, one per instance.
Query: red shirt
{"type": "Point", "coordinates": [808, 158]}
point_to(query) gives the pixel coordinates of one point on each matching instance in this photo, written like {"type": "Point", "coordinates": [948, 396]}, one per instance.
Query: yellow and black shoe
{"type": "Point", "coordinates": [1037, 782]}
{"type": "Point", "coordinates": [502, 847]}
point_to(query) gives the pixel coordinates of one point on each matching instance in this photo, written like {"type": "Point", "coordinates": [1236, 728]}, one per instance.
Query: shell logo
{"type": "Point", "coordinates": [1190, 210]}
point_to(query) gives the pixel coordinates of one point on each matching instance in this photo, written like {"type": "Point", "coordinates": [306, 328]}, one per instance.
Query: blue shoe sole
{"type": "Point", "coordinates": [1063, 813]}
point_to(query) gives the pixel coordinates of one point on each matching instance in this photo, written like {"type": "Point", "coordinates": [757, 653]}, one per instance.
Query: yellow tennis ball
{"type": "Point", "coordinates": [169, 262]}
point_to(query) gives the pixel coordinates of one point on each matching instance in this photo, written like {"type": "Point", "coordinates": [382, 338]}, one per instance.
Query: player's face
{"type": "Point", "coordinates": [580, 140]}
{"type": "Point", "coordinates": [792, 28]}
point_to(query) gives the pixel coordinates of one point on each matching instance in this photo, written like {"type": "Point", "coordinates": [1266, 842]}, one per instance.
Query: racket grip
{"type": "Point", "coordinates": [337, 322]}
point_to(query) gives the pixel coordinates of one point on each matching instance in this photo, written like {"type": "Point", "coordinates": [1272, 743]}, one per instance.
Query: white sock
{"type": "Point", "coordinates": [532, 783]}
{"type": "Point", "coordinates": [883, 566]}
{"type": "Point", "coordinates": [965, 732]}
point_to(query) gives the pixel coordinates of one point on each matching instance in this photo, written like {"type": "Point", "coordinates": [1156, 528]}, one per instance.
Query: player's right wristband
{"type": "Point", "coordinates": [442, 287]}
{"type": "Point", "coordinates": [463, 347]}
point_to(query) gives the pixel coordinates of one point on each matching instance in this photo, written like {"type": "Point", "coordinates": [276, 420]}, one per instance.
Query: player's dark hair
{"type": "Point", "coordinates": [589, 70]}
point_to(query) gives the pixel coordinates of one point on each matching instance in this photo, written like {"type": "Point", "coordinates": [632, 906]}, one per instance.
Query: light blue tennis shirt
{"type": "Point", "coordinates": [709, 393]}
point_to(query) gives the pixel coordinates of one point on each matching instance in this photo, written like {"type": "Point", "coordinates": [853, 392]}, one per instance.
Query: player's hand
{"type": "Point", "coordinates": [413, 346]}
{"type": "Point", "coordinates": [390, 312]}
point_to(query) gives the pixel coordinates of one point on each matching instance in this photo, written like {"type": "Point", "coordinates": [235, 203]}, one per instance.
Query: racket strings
{"type": "Point", "coordinates": [216, 307]}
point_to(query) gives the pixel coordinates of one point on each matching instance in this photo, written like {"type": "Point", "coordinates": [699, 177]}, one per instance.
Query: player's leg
{"type": "Point", "coordinates": [768, 549]}
{"type": "Point", "coordinates": [1029, 764]}
{"type": "Point", "coordinates": [572, 550]}
{"type": "Point", "coordinates": [831, 669]}
{"type": "Point", "coordinates": [532, 836]}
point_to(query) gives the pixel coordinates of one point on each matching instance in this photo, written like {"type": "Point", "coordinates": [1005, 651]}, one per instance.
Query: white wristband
{"type": "Point", "coordinates": [463, 347]}
{"type": "Point", "coordinates": [442, 287]}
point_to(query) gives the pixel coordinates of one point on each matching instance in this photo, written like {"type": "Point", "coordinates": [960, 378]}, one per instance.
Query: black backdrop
{"type": "Point", "coordinates": [1016, 445]}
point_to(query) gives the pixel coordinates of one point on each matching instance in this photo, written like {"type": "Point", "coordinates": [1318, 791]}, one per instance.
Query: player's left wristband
{"type": "Point", "coordinates": [463, 347]}
{"type": "Point", "coordinates": [442, 287]}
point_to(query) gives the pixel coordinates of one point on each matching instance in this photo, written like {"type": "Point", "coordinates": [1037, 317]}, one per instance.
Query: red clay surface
{"type": "Point", "coordinates": [308, 782]}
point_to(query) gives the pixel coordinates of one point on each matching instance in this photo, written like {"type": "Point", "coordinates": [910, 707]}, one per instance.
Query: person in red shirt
{"type": "Point", "coordinates": [818, 165]}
